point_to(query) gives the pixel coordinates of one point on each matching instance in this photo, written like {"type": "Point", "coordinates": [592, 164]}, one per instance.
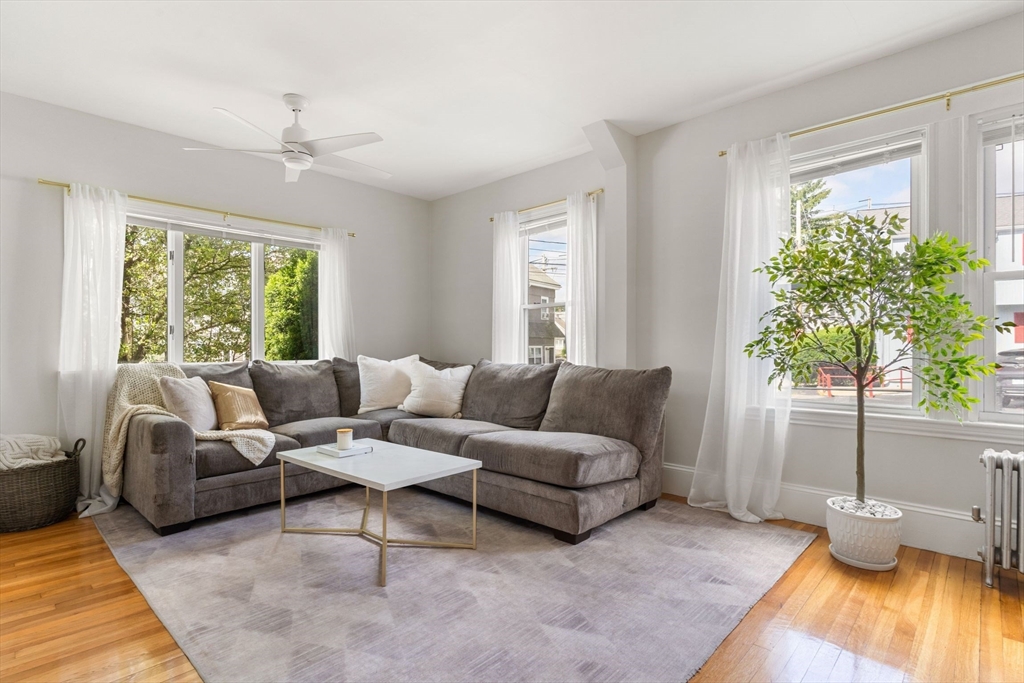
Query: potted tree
{"type": "Point", "coordinates": [838, 292]}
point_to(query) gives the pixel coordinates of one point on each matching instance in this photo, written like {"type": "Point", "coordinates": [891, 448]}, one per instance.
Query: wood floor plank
{"type": "Point", "coordinates": [968, 640]}
{"type": "Point", "coordinates": [854, 662]}
{"type": "Point", "coordinates": [990, 661]}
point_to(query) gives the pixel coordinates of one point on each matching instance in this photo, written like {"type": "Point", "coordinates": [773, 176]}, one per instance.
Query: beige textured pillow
{"type": "Point", "coordinates": [436, 393]}
{"type": "Point", "coordinates": [189, 399]}
{"type": "Point", "coordinates": [237, 407]}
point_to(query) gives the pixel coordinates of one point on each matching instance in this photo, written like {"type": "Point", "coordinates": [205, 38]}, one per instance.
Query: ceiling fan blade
{"type": "Point", "coordinates": [339, 143]}
{"type": "Point", "coordinates": [229, 149]}
{"type": "Point", "coordinates": [236, 117]}
{"type": "Point", "coordinates": [343, 164]}
{"type": "Point", "coordinates": [291, 175]}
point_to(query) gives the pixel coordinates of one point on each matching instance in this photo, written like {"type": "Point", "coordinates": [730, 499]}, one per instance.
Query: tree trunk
{"type": "Point", "coordinates": [860, 440]}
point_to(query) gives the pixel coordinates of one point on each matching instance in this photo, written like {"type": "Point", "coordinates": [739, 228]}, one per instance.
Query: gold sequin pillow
{"type": "Point", "coordinates": [237, 407]}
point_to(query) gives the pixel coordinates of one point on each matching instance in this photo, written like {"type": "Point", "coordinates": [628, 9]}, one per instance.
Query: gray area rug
{"type": "Point", "coordinates": [648, 598]}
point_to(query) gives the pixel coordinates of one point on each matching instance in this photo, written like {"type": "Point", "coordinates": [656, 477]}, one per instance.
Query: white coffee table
{"type": "Point", "coordinates": [390, 466]}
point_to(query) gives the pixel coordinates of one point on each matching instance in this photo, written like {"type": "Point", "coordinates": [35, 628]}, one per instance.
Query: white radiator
{"type": "Point", "coordinates": [1004, 513]}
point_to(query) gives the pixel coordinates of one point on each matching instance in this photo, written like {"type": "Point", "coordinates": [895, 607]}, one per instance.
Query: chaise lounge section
{"type": "Point", "coordinates": [568, 447]}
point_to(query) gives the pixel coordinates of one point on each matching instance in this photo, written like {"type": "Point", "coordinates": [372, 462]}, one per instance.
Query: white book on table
{"type": "Point", "coordinates": [357, 449]}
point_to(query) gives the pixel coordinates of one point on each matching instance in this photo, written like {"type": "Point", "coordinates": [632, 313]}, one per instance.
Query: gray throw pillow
{"type": "Point", "coordinates": [346, 376]}
{"type": "Point", "coordinates": [291, 392]}
{"type": "Point", "coordinates": [621, 404]}
{"type": "Point", "coordinates": [191, 400]}
{"type": "Point", "coordinates": [441, 365]}
{"type": "Point", "coordinates": [507, 394]}
{"type": "Point", "coordinates": [235, 374]}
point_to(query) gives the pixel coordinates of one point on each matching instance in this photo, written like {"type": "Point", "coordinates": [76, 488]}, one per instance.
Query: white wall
{"type": "Point", "coordinates": [461, 249]}
{"type": "Point", "coordinates": [390, 255]}
{"type": "Point", "coordinates": [681, 213]}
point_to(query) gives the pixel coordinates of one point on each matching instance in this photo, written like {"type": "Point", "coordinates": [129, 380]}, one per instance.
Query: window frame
{"type": "Point", "coordinates": [981, 286]}
{"type": "Point", "coordinates": [535, 222]}
{"type": "Point", "coordinates": [176, 225]}
{"type": "Point", "coordinates": [821, 162]}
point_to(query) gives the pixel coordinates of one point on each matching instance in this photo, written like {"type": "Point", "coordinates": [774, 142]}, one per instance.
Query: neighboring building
{"type": "Point", "coordinates": [546, 325]}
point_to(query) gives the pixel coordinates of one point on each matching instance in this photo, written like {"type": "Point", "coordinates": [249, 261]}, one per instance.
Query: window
{"type": "Point", "coordinates": [535, 356]}
{"type": "Point", "coordinates": [196, 294]}
{"type": "Point", "coordinates": [144, 296]}
{"type": "Point", "coordinates": [866, 179]}
{"type": "Point", "coordinates": [545, 302]}
{"type": "Point", "coordinates": [291, 301]}
{"type": "Point", "coordinates": [1002, 208]}
{"type": "Point", "coordinates": [217, 324]}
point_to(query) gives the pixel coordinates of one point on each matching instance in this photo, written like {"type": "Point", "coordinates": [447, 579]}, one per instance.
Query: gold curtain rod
{"type": "Point", "coordinates": [948, 96]}
{"type": "Point", "coordinates": [226, 214]}
{"type": "Point", "coordinates": [557, 201]}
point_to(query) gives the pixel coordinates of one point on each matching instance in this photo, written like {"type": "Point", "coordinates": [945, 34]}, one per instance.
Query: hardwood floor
{"type": "Point", "coordinates": [69, 613]}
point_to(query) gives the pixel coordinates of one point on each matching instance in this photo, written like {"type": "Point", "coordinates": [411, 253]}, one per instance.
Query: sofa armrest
{"type": "Point", "coordinates": [160, 469]}
{"type": "Point", "coordinates": [650, 472]}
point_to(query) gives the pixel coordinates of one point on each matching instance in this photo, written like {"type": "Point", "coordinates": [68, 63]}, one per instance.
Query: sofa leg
{"type": "Point", "coordinates": [648, 505]}
{"type": "Point", "coordinates": [172, 528]}
{"type": "Point", "coordinates": [571, 539]}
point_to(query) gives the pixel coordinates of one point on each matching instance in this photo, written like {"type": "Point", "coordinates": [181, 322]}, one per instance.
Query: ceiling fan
{"type": "Point", "coordinates": [298, 152]}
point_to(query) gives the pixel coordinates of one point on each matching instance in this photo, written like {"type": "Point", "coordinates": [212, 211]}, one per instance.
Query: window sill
{"type": "Point", "coordinates": [915, 425]}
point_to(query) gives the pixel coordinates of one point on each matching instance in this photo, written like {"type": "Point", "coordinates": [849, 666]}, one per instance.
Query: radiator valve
{"type": "Point", "coordinates": [976, 514]}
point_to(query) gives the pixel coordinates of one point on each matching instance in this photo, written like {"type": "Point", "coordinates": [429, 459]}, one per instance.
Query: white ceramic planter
{"type": "Point", "coordinates": [862, 541]}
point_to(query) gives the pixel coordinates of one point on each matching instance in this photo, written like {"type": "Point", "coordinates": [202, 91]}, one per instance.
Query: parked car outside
{"type": "Point", "coordinates": [1010, 376]}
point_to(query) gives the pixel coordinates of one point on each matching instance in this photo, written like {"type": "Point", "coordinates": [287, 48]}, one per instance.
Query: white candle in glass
{"type": "Point", "coordinates": [344, 439]}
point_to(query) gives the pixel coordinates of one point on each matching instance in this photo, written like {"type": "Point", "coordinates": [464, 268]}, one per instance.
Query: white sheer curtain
{"type": "Point", "coordinates": [581, 278]}
{"type": "Point", "coordinates": [508, 343]}
{"type": "Point", "coordinates": [335, 329]}
{"type": "Point", "coordinates": [739, 464]}
{"type": "Point", "coordinates": [90, 328]}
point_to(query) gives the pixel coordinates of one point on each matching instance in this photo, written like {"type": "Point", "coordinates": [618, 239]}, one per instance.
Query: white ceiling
{"type": "Point", "coordinates": [463, 93]}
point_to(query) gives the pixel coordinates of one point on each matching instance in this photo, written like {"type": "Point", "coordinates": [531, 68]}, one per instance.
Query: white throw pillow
{"type": "Point", "coordinates": [384, 384]}
{"type": "Point", "coordinates": [437, 393]}
{"type": "Point", "coordinates": [191, 400]}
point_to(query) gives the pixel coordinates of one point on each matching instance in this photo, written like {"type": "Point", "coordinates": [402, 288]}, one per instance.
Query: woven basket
{"type": "Point", "coordinates": [37, 496]}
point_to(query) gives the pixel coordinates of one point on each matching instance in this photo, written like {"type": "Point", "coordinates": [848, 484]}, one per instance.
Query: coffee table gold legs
{"type": "Point", "coordinates": [381, 538]}
{"type": "Point", "coordinates": [384, 541]}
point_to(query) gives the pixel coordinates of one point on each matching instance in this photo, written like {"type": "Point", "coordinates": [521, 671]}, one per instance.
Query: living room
{"type": "Point", "coordinates": [547, 247]}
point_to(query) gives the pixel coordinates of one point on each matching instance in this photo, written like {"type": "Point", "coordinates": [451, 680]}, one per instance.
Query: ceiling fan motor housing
{"type": "Point", "coordinates": [296, 135]}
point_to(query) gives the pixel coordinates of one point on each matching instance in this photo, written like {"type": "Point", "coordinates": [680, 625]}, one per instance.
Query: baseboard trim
{"type": "Point", "coordinates": [941, 530]}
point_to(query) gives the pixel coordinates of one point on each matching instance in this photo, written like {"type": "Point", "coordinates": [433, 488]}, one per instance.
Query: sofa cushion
{"type": "Point", "coordinates": [216, 458]}
{"type": "Point", "coordinates": [292, 392]}
{"type": "Point", "coordinates": [235, 374]}
{"type": "Point", "coordinates": [386, 416]}
{"type": "Point", "coordinates": [324, 430]}
{"type": "Point", "coordinates": [346, 377]}
{"type": "Point", "coordinates": [508, 394]}
{"type": "Point", "coordinates": [560, 458]}
{"type": "Point", "coordinates": [621, 404]}
{"type": "Point", "coordinates": [438, 434]}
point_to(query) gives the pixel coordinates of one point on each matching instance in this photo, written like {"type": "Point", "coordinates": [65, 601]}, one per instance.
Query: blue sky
{"type": "Point", "coordinates": [882, 184]}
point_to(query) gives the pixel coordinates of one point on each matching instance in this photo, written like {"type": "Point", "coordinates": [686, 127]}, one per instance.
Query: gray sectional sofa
{"type": "Point", "coordinates": [566, 446]}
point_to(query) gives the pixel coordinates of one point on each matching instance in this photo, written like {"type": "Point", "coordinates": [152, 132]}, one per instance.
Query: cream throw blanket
{"type": "Point", "coordinates": [136, 392]}
{"type": "Point", "coordinates": [26, 450]}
